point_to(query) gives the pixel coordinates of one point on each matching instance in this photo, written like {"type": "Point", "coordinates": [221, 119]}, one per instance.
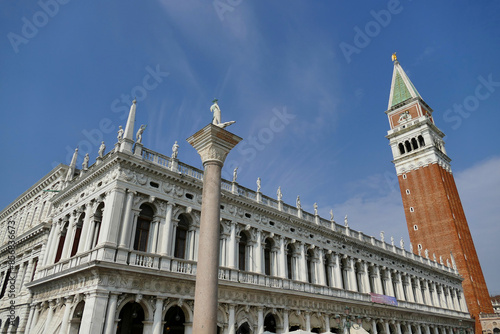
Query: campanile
{"type": "Point", "coordinates": [434, 214]}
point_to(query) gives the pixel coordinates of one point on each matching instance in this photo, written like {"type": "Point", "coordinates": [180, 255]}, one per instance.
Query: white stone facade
{"type": "Point", "coordinates": [114, 250]}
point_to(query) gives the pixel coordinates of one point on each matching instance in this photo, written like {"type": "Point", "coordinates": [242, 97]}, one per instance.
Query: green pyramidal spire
{"type": "Point", "coordinates": [401, 87]}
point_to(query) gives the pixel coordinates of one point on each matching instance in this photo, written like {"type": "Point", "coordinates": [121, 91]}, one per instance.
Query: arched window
{"type": "Point", "coordinates": [421, 141]}
{"type": "Point", "coordinates": [78, 233]}
{"type": "Point", "coordinates": [242, 252]}
{"type": "Point", "coordinates": [414, 143]}
{"type": "Point", "coordinates": [132, 318]}
{"type": "Point", "coordinates": [267, 255]}
{"type": "Point", "coordinates": [243, 329]}
{"type": "Point", "coordinates": [142, 229]}
{"type": "Point", "coordinates": [174, 321]}
{"type": "Point", "coordinates": [408, 146]}
{"type": "Point", "coordinates": [401, 148]}
{"type": "Point", "coordinates": [76, 320]}
{"type": "Point", "coordinates": [270, 323]}
{"type": "Point", "coordinates": [181, 237]}
{"type": "Point", "coordinates": [289, 261]}
{"type": "Point", "coordinates": [310, 266]}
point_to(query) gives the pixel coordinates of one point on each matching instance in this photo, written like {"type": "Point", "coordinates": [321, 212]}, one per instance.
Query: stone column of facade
{"type": "Point", "coordinates": [308, 322]}
{"type": "Point", "coordinates": [29, 272]}
{"type": "Point", "coordinates": [69, 236]}
{"type": "Point", "coordinates": [67, 310]}
{"type": "Point", "coordinates": [110, 223]}
{"type": "Point", "coordinates": [55, 242]}
{"type": "Point", "coordinates": [399, 286]}
{"type": "Point", "coordinates": [50, 242]}
{"type": "Point", "coordinates": [302, 270]}
{"type": "Point", "coordinates": [260, 320]}
{"type": "Point", "coordinates": [50, 313]}
{"type": "Point", "coordinates": [419, 293]}
{"type": "Point", "coordinates": [232, 246]}
{"type": "Point", "coordinates": [408, 328]}
{"type": "Point", "coordinates": [27, 328]}
{"type": "Point", "coordinates": [398, 327]}
{"type": "Point", "coordinates": [427, 295]}
{"type": "Point", "coordinates": [320, 277]}
{"type": "Point", "coordinates": [352, 274]}
{"type": "Point", "coordinates": [365, 277]}
{"type": "Point", "coordinates": [327, 322]}
{"type": "Point", "coordinates": [377, 280]}
{"type": "Point", "coordinates": [85, 228]}
{"type": "Point", "coordinates": [427, 329]}
{"type": "Point", "coordinates": [94, 312]}
{"type": "Point", "coordinates": [463, 305]}
{"type": "Point", "coordinates": [408, 288]}
{"type": "Point", "coordinates": [154, 234]}
{"type": "Point", "coordinates": [283, 259]}
{"type": "Point", "coordinates": [456, 303]}
{"type": "Point", "coordinates": [448, 298]}
{"type": "Point", "coordinates": [337, 272]}
{"type": "Point", "coordinates": [389, 286]}
{"type": "Point", "coordinates": [434, 294]}
{"type": "Point", "coordinates": [127, 221]}
{"type": "Point", "coordinates": [419, 329]}
{"type": "Point", "coordinates": [110, 327]}
{"type": "Point", "coordinates": [286, 324]}
{"type": "Point", "coordinates": [258, 253]}
{"type": "Point", "coordinates": [213, 144]}
{"type": "Point", "coordinates": [37, 308]}
{"type": "Point", "coordinates": [374, 327]}
{"type": "Point", "coordinates": [387, 327]}
{"type": "Point", "coordinates": [231, 321]}
{"type": "Point", "coordinates": [157, 321]}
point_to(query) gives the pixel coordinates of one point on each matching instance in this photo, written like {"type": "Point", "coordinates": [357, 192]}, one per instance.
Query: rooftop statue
{"type": "Point", "coordinates": [85, 164]}
{"type": "Point", "coordinates": [217, 119]}
{"type": "Point", "coordinates": [120, 133]}
{"type": "Point", "coordinates": [279, 194]}
{"type": "Point", "coordinates": [258, 184]}
{"type": "Point", "coordinates": [235, 174]}
{"type": "Point", "coordinates": [101, 149]}
{"type": "Point", "coordinates": [175, 150]}
{"type": "Point", "coordinates": [298, 203]}
{"type": "Point", "coordinates": [315, 209]}
{"type": "Point", "coordinates": [138, 136]}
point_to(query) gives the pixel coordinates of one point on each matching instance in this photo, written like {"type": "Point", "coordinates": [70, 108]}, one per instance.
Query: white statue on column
{"type": "Point", "coordinates": [235, 174]}
{"type": "Point", "coordinates": [85, 164]}
{"type": "Point", "coordinates": [392, 240]}
{"type": "Point", "coordinates": [411, 247]}
{"type": "Point", "coordinates": [315, 209]}
{"type": "Point", "coordinates": [120, 133]}
{"type": "Point", "coordinates": [331, 216]}
{"type": "Point", "coordinates": [382, 236]}
{"type": "Point", "coordinates": [138, 135]}
{"type": "Point", "coordinates": [258, 184]}
{"type": "Point", "coordinates": [101, 149]}
{"type": "Point", "coordinates": [217, 118]}
{"type": "Point", "coordinates": [426, 252]}
{"type": "Point", "coordinates": [175, 150]}
{"type": "Point", "coordinates": [297, 202]}
{"type": "Point", "coordinates": [346, 223]}
{"type": "Point", "coordinates": [402, 243]}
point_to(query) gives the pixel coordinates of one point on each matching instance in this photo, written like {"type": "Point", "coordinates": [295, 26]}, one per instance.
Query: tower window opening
{"type": "Point", "coordinates": [415, 227]}
{"type": "Point", "coordinates": [408, 146]}
{"type": "Point", "coordinates": [404, 176]}
{"type": "Point", "coordinates": [421, 141]}
{"type": "Point", "coordinates": [407, 191]}
{"type": "Point", "coordinates": [419, 246]}
{"type": "Point", "coordinates": [412, 209]}
{"type": "Point", "coordinates": [414, 143]}
{"type": "Point", "coordinates": [401, 148]}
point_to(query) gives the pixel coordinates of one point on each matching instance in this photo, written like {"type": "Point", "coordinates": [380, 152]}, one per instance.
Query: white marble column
{"type": "Point", "coordinates": [327, 322]}
{"type": "Point", "coordinates": [35, 317]}
{"type": "Point", "coordinates": [419, 291]}
{"type": "Point", "coordinates": [365, 277]}
{"type": "Point", "coordinates": [110, 326]}
{"type": "Point", "coordinates": [70, 236]}
{"type": "Point", "coordinates": [67, 311]}
{"type": "Point", "coordinates": [85, 228]}
{"type": "Point", "coordinates": [399, 286]}
{"type": "Point", "coordinates": [128, 216]}
{"type": "Point", "coordinates": [231, 322]}
{"type": "Point", "coordinates": [308, 322]}
{"type": "Point", "coordinates": [27, 328]}
{"type": "Point", "coordinates": [320, 277]}
{"type": "Point", "coordinates": [94, 312]}
{"type": "Point", "coordinates": [374, 327]}
{"type": "Point", "coordinates": [377, 280]}
{"type": "Point", "coordinates": [260, 320]}
{"type": "Point", "coordinates": [166, 230]}
{"type": "Point", "coordinates": [337, 272]}
{"type": "Point", "coordinates": [448, 298]}
{"type": "Point", "coordinates": [157, 320]}
{"type": "Point", "coordinates": [50, 313]}
{"type": "Point", "coordinates": [389, 286]}
{"type": "Point", "coordinates": [352, 274]}
{"type": "Point", "coordinates": [50, 242]}
{"type": "Point", "coordinates": [286, 324]}
{"type": "Point", "coordinates": [409, 289]}
{"type": "Point", "coordinates": [302, 263]}
{"type": "Point", "coordinates": [258, 252]}
{"type": "Point", "coordinates": [111, 218]}
{"type": "Point", "coordinates": [232, 247]}
{"type": "Point", "coordinates": [398, 327]}
{"type": "Point", "coordinates": [282, 262]}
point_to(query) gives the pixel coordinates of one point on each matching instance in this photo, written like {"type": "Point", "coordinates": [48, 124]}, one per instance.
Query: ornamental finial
{"type": "Point", "coordinates": [394, 58]}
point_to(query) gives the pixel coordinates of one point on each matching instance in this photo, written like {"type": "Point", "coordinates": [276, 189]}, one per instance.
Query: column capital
{"type": "Point", "coordinates": [213, 143]}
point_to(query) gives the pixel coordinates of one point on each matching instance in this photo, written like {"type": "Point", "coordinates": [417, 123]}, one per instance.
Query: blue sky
{"type": "Point", "coordinates": [306, 82]}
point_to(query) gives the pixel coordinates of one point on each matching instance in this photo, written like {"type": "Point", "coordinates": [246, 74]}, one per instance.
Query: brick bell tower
{"type": "Point", "coordinates": [434, 214]}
